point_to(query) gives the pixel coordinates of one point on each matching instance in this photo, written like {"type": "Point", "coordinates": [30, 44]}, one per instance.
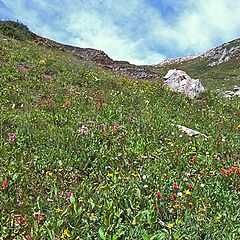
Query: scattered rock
{"type": "Point", "coordinates": [179, 81]}
{"type": "Point", "coordinates": [190, 132]}
{"type": "Point", "coordinates": [234, 93]}
{"type": "Point", "coordinates": [23, 69]}
{"type": "Point", "coordinates": [47, 77]}
{"type": "Point", "coordinates": [83, 130]}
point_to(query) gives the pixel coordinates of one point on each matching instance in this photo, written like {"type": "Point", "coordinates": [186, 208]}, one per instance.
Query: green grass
{"type": "Point", "coordinates": [93, 149]}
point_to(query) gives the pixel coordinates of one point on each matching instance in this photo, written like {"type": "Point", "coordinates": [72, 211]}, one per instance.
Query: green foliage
{"type": "Point", "coordinates": [15, 30]}
{"type": "Point", "coordinates": [84, 153]}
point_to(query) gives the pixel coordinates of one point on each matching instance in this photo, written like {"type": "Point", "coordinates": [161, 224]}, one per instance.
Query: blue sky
{"type": "Point", "coordinates": [139, 31]}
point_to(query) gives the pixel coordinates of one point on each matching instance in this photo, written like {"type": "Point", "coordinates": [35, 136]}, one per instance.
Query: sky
{"type": "Point", "coordinates": [138, 31]}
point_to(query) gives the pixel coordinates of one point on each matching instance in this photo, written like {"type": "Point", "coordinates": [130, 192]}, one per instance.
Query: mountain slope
{"type": "Point", "coordinates": [86, 153]}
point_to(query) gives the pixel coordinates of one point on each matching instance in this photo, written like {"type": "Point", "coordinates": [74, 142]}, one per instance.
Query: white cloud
{"type": "Point", "coordinates": [132, 30]}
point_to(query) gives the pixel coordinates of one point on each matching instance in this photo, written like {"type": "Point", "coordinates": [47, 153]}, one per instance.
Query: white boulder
{"type": "Point", "coordinates": [179, 81]}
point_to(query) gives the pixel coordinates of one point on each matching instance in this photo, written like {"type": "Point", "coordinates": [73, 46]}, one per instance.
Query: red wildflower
{"type": "Point", "coordinates": [190, 186]}
{"type": "Point", "coordinates": [201, 172]}
{"type": "Point", "coordinates": [155, 207]}
{"type": "Point", "coordinates": [28, 237]}
{"type": "Point", "coordinates": [49, 102]}
{"type": "Point", "coordinates": [5, 184]}
{"type": "Point", "coordinates": [175, 185]}
{"type": "Point", "coordinates": [39, 217]}
{"type": "Point", "coordinates": [20, 219]}
{"type": "Point", "coordinates": [190, 162]}
{"type": "Point", "coordinates": [97, 105]}
{"type": "Point", "coordinates": [173, 197]}
{"type": "Point", "coordinates": [238, 187]}
{"type": "Point", "coordinates": [219, 138]}
{"type": "Point", "coordinates": [159, 195]}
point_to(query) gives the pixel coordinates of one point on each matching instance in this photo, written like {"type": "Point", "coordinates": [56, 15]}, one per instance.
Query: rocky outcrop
{"type": "Point", "coordinates": [234, 93]}
{"type": "Point", "coordinates": [179, 81]}
{"type": "Point", "coordinates": [89, 54]}
{"type": "Point", "coordinates": [215, 56]}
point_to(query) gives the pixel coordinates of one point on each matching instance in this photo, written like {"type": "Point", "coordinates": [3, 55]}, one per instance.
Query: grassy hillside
{"type": "Point", "coordinates": [86, 154]}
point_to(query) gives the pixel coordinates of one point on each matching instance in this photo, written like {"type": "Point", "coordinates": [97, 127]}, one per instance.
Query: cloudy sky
{"type": "Point", "coordinates": [139, 31]}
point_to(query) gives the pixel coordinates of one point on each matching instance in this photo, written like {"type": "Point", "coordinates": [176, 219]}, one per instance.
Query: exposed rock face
{"type": "Point", "coordinates": [230, 94]}
{"type": "Point", "coordinates": [179, 81]}
{"type": "Point", "coordinates": [215, 56]}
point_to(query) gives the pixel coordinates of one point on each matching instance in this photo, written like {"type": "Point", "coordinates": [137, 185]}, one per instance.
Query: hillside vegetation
{"type": "Point", "coordinates": [88, 154]}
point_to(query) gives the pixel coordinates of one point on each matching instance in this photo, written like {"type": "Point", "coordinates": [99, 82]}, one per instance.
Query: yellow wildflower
{"type": "Point", "coordinates": [187, 192]}
{"type": "Point", "coordinates": [65, 234]}
{"type": "Point", "coordinates": [48, 173]}
{"type": "Point", "coordinates": [110, 175]}
{"type": "Point", "coordinates": [58, 210]}
{"type": "Point", "coordinates": [42, 62]}
{"type": "Point", "coordinates": [170, 225]}
{"type": "Point", "coordinates": [218, 217]}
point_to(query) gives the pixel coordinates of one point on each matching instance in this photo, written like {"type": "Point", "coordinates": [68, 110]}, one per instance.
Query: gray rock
{"type": "Point", "coordinates": [179, 81]}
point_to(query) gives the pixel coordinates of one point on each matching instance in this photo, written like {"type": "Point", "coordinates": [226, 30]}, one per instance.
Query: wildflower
{"type": "Point", "coordinates": [175, 185]}
{"type": "Point", "coordinates": [134, 174]}
{"type": "Point", "coordinates": [155, 207]}
{"type": "Point", "coordinates": [39, 217]}
{"type": "Point", "coordinates": [187, 192]}
{"type": "Point", "coordinates": [190, 186]}
{"type": "Point", "coordinates": [20, 219]}
{"type": "Point", "coordinates": [28, 237]}
{"type": "Point", "coordinates": [67, 104]}
{"type": "Point", "coordinates": [238, 187]}
{"type": "Point", "coordinates": [170, 225]}
{"type": "Point", "coordinates": [159, 195]}
{"type": "Point", "coordinates": [173, 197]}
{"type": "Point", "coordinates": [58, 210]}
{"type": "Point", "coordinates": [134, 222]}
{"type": "Point", "coordinates": [65, 234]}
{"type": "Point", "coordinates": [176, 205]}
{"type": "Point", "coordinates": [5, 184]}
{"type": "Point", "coordinates": [42, 62]}
{"type": "Point", "coordinates": [48, 173]}
{"type": "Point", "coordinates": [110, 174]}
{"type": "Point", "coordinates": [219, 138]}
{"type": "Point", "coordinates": [70, 194]}
{"type": "Point", "coordinates": [12, 138]}
{"type": "Point", "coordinates": [218, 217]}
{"type": "Point", "coordinates": [93, 217]}
{"type": "Point", "coordinates": [201, 172]}
{"type": "Point", "coordinates": [179, 194]}
{"type": "Point", "coordinates": [190, 203]}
